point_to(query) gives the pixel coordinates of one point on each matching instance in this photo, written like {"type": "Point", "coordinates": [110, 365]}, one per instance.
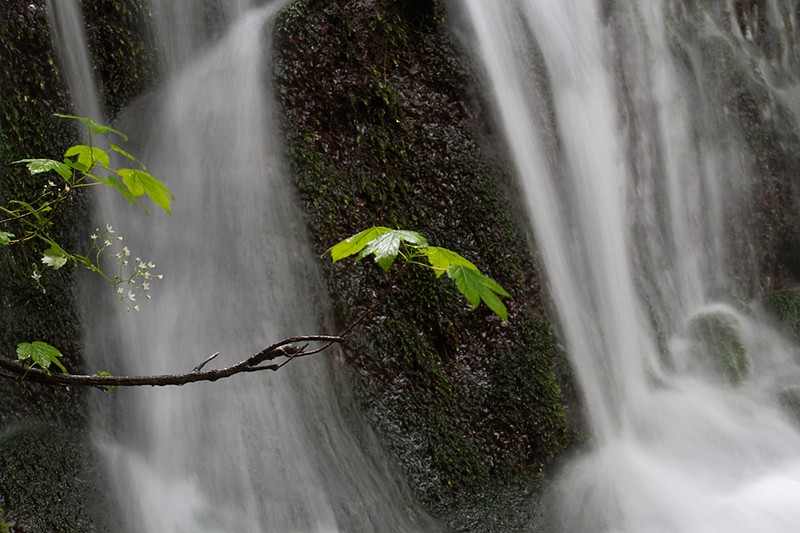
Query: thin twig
{"type": "Point", "coordinates": [199, 367]}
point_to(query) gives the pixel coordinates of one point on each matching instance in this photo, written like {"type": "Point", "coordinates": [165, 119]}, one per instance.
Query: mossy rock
{"type": "Point", "coordinates": [784, 307]}
{"type": "Point", "coordinates": [718, 345]}
{"type": "Point", "coordinates": [43, 479]}
{"type": "Point", "coordinates": [382, 128]}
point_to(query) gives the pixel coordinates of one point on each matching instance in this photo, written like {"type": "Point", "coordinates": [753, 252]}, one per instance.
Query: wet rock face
{"type": "Point", "coordinates": [45, 474]}
{"type": "Point", "coordinates": [382, 130]}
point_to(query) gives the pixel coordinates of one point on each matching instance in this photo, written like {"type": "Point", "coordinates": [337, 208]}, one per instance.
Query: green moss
{"type": "Point", "coordinates": [719, 344]}
{"type": "Point", "coordinates": [123, 52]}
{"type": "Point", "coordinates": [784, 306]}
{"type": "Point", "coordinates": [381, 130]}
{"type": "Point", "coordinates": [43, 469]}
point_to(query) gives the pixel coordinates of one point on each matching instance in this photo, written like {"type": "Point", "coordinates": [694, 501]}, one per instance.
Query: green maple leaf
{"type": "Point", "coordinates": [95, 127]}
{"type": "Point", "coordinates": [88, 156]}
{"type": "Point", "coordinates": [140, 182]}
{"type": "Point", "coordinates": [386, 246]}
{"type": "Point", "coordinates": [476, 287]}
{"type": "Point", "coordinates": [441, 259]}
{"type": "Point", "coordinates": [37, 166]}
{"type": "Point", "coordinates": [356, 243]}
{"type": "Point", "coordinates": [126, 154]}
{"type": "Point", "coordinates": [41, 354]}
{"type": "Point", "coordinates": [382, 242]}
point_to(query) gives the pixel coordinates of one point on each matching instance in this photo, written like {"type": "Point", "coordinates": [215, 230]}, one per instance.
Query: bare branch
{"type": "Point", "coordinates": [286, 348]}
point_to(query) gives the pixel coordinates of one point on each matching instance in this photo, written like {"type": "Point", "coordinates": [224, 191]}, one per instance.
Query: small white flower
{"type": "Point", "coordinates": [109, 228]}
{"type": "Point", "coordinates": [131, 296]}
{"type": "Point", "coordinates": [36, 276]}
{"type": "Point", "coordinates": [135, 307]}
{"type": "Point", "coordinates": [93, 236]}
{"type": "Point", "coordinates": [119, 290]}
{"type": "Point", "coordinates": [145, 286]}
{"type": "Point", "coordinates": [125, 251]}
{"type": "Point", "coordinates": [107, 242]}
{"type": "Point", "coordinates": [50, 183]}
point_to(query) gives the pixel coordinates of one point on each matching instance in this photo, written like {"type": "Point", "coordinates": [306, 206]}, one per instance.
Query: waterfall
{"type": "Point", "coordinates": [258, 452]}
{"type": "Point", "coordinates": [66, 23]}
{"type": "Point", "coordinates": [636, 176]}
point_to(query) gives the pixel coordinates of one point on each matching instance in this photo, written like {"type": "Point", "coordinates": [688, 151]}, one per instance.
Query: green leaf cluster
{"type": "Point", "coordinates": [386, 244]}
{"type": "Point", "coordinates": [41, 354]}
{"type": "Point", "coordinates": [82, 166]}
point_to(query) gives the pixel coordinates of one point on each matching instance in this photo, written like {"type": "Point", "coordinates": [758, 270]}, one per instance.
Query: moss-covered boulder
{"type": "Point", "coordinates": [382, 129]}
{"type": "Point", "coordinates": [718, 345]}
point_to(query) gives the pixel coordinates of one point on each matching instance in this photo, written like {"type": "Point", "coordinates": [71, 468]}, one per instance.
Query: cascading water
{"type": "Point", "coordinates": [635, 174]}
{"type": "Point", "coordinates": [66, 21]}
{"type": "Point", "coordinates": [257, 452]}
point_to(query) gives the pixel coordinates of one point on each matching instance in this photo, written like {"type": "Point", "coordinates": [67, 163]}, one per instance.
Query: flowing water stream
{"type": "Point", "coordinates": [261, 452]}
{"type": "Point", "coordinates": [635, 177]}
{"type": "Point", "coordinates": [66, 23]}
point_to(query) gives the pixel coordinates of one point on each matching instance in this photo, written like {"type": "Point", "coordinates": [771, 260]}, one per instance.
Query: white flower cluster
{"type": "Point", "coordinates": [129, 276]}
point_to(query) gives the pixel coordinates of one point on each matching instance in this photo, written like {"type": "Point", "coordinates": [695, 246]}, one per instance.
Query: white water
{"type": "Point", "coordinates": [260, 452]}
{"type": "Point", "coordinates": [633, 183]}
{"type": "Point", "coordinates": [66, 23]}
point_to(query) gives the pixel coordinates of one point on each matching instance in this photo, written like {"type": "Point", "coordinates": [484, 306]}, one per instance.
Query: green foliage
{"type": "Point", "coordinates": [140, 182]}
{"type": "Point", "coordinates": [44, 468]}
{"type": "Point", "coordinates": [386, 244]}
{"type": "Point", "coordinates": [41, 353]}
{"type": "Point", "coordinates": [33, 220]}
{"type": "Point", "coordinates": [94, 127]}
{"type": "Point", "coordinates": [477, 287]}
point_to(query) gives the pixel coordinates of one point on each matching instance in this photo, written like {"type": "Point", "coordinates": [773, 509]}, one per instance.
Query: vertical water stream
{"type": "Point", "coordinates": [66, 23]}
{"type": "Point", "coordinates": [634, 176]}
{"type": "Point", "coordinates": [267, 452]}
